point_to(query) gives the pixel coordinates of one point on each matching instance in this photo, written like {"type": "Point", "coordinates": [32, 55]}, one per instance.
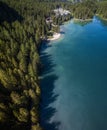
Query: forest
{"type": "Point", "coordinates": [87, 9]}
{"type": "Point", "coordinates": [23, 28]}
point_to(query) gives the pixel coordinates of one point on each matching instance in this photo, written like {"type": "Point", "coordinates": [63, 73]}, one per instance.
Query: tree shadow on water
{"type": "Point", "coordinates": [48, 97]}
{"type": "Point", "coordinates": [62, 32]}
{"type": "Point", "coordinates": [48, 66]}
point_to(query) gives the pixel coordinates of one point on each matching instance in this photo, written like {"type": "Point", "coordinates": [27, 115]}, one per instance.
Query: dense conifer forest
{"type": "Point", "coordinates": [23, 27]}
{"type": "Point", "coordinates": [87, 9]}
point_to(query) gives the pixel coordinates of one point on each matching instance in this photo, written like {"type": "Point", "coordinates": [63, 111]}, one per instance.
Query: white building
{"type": "Point", "coordinates": [61, 11]}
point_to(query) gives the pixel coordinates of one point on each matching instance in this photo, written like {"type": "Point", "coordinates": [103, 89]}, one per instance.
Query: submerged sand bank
{"type": "Point", "coordinates": [54, 37]}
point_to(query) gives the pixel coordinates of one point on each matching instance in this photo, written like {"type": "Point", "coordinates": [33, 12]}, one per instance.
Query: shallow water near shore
{"type": "Point", "coordinates": [74, 78]}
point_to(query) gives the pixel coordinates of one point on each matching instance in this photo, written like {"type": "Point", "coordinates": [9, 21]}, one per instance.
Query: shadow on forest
{"type": "Point", "coordinates": [8, 14]}
{"type": "Point", "coordinates": [48, 96]}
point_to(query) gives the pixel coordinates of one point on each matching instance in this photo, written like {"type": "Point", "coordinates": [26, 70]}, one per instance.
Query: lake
{"type": "Point", "coordinates": [74, 78]}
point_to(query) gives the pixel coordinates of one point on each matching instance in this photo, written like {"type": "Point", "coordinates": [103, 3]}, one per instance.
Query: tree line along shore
{"type": "Point", "coordinates": [24, 25]}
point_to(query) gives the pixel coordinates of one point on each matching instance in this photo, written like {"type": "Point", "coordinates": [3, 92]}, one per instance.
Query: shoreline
{"type": "Point", "coordinates": [102, 18]}
{"type": "Point", "coordinates": [81, 20]}
{"type": "Point", "coordinates": [54, 37]}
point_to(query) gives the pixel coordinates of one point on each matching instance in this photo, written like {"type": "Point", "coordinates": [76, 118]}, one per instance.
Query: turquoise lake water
{"type": "Point", "coordinates": [74, 78]}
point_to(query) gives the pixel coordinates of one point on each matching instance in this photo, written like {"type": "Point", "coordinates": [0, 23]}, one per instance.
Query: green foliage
{"type": "Point", "coordinates": [19, 61]}
{"type": "Point", "coordinates": [22, 115]}
{"type": "Point", "coordinates": [21, 33]}
{"type": "Point", "coordinates": [102, 9]}
{"type": "Point", "coordinates": [3, 116]}
{"type": "Point", "coordinates": [36, 127]}
{"type": "Point", "coordinates": [84, 10]}
{"type": "Point", "coordinates": [22, 28]}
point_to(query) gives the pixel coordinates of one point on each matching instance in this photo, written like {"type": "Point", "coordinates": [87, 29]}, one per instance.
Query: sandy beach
{"type": "Point", "coordinates": [54, 37]}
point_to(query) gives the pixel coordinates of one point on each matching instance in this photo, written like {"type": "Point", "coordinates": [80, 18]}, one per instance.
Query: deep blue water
{"type": "Point", "coordinates": [74, 78]}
